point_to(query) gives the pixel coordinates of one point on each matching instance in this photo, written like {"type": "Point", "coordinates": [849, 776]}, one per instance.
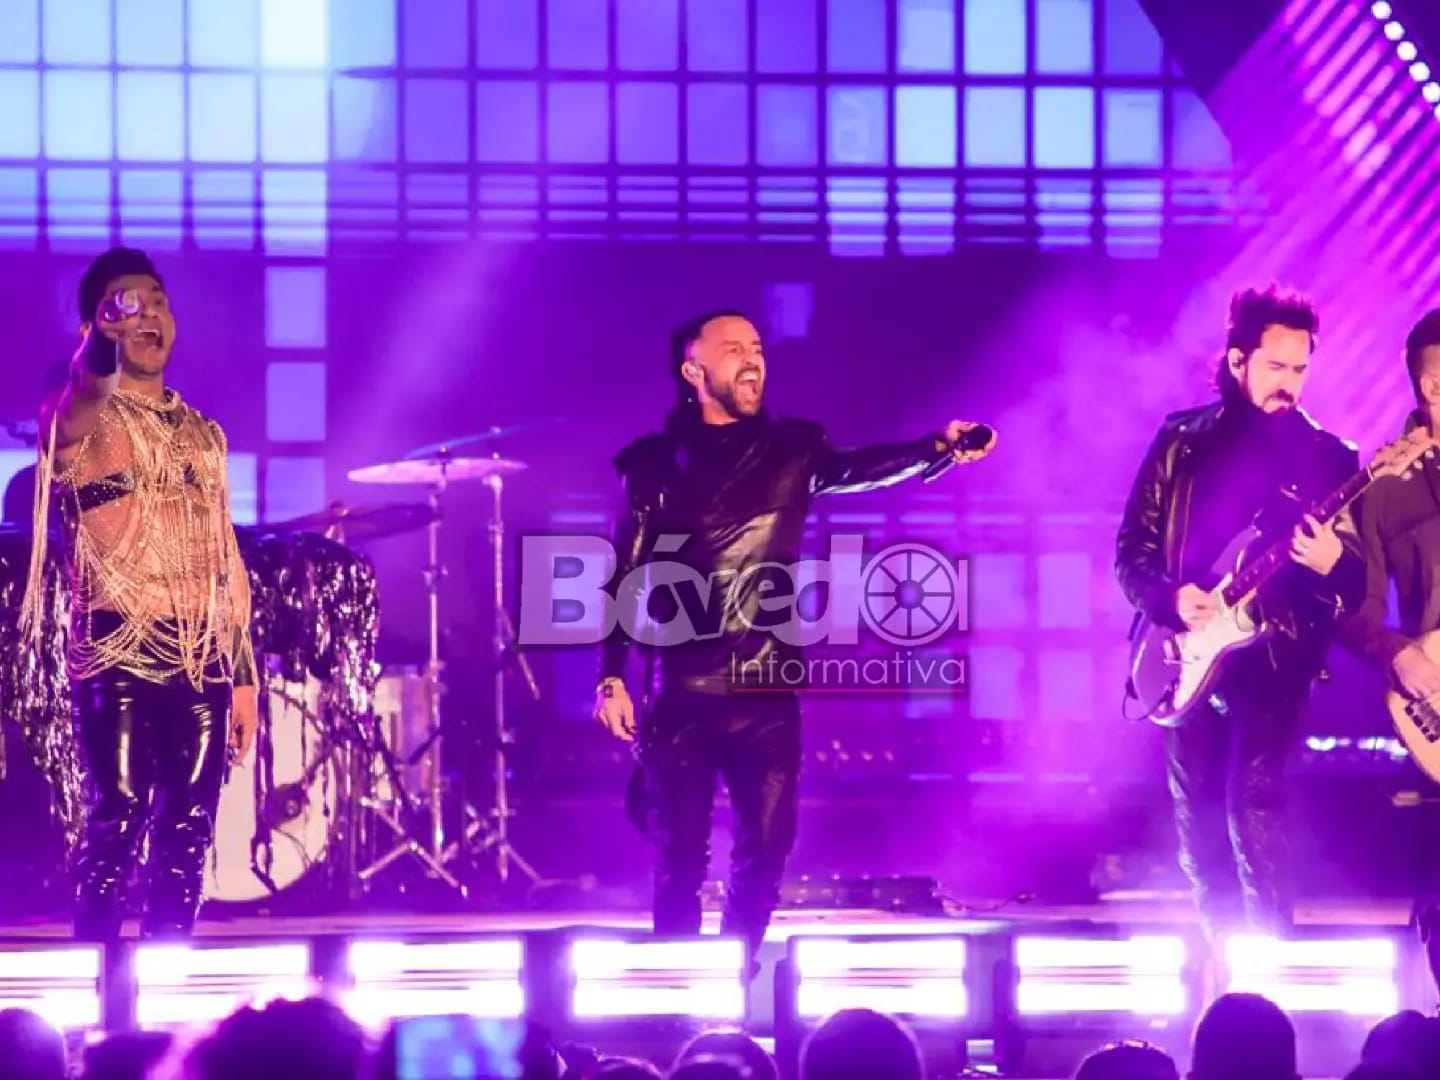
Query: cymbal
{"type": "Point", "coordinates": [490, 435]}
{"type": "Point", "coordinates": [359, 524]}
{"type": "Point", "coordinates": [435, 470]}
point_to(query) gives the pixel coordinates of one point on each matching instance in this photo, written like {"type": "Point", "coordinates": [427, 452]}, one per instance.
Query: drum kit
{"type": "Point", "coordinates": [355, 781]}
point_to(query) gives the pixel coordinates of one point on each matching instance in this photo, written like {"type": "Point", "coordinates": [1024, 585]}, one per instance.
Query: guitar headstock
{"type": "Point", "coordinates": [1402, 455]}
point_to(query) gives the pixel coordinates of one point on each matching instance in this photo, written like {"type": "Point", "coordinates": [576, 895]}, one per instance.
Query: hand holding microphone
{"type": "Point", "coordinates": [116, 309]}
{"type": "Point", "coordinates": [114, 321]}
{"type": "Point", "coordinates": [965, 442]}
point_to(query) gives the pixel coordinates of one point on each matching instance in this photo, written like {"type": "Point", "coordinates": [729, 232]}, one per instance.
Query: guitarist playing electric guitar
{"type": "Point", "coordinates": [1210, 473]}
{"type": "Point", "coordinates": [1399, 525]}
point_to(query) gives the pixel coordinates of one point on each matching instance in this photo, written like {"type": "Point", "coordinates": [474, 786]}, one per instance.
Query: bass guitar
{"type": "Point", "coordinates": [1417, 720]}
{"type": "Point", "coordinates": [1172, 672]}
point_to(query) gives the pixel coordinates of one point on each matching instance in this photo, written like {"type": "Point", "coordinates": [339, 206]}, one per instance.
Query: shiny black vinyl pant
{"type": "Point", "coordinates": [753, 742]}
{"type": "Point", "coordinates": [154, 757]}
{"type": "Point", "coordinates": [1226, 768]}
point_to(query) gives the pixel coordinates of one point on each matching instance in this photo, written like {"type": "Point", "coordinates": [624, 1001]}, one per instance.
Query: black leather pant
{"type": "Point", "coordinates": [154, 757]}
{"type": "Point", "coordinates": [689, 740]}
{"type": "Point", "coordinates": [1227, 778]}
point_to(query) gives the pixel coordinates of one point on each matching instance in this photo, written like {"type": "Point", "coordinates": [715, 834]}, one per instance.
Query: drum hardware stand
{"type": "Point", "coordinates": [431, 854]}
{"type": "Point", "coordinates": [386, 814]}
{"type": "Point", "coordinates": [262, 838]}
{"type": "Point", "coordinates": [362, 747]}
{"type": "Point", "coordinates": [496, 823]}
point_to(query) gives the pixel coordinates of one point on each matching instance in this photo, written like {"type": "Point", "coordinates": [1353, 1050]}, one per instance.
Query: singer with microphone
{"type": "Point", "coordinates": [738, 485]}
{"type": "Point", "coordinates": [161, 667]}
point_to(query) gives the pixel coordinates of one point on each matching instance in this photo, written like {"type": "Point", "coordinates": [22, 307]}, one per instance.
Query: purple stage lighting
{"type": "Point", "coordinates": [178, 985]}
{"type": "Point", "coordinates": [395, 979]}
{"type": "Point", "coordinates": [912, 977]}
{"type": "Point", "coordinates": [1140, 975]}
{"type": "Point", "coordinates": [614, 978]}
{"type": "Point", "coordinates": [1355, 977]}
{"type": "Point", "coordinates": [61, 985]}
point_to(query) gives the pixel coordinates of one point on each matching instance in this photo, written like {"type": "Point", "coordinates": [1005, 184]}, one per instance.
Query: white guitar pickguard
{"type": "Point", "coordinates": [1200, 650]}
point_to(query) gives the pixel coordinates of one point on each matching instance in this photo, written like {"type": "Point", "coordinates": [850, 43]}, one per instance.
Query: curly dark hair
{"type": "Point", "coordinates": [1252, 312]}
{"type": "Point", "coordinates": [117, 262]}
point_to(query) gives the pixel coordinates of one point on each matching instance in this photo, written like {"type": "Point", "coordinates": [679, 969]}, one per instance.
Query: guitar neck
{"type": "Point", "coordinates": [1262, 569]}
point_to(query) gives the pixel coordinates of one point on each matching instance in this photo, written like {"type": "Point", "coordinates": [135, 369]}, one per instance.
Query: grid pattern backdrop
{"type": "Point", "coordinates": [875, 126]}
{"type": "Point", "coordinates": [293, 130]}
{"type": "Point", "coordinates": [297, 129]}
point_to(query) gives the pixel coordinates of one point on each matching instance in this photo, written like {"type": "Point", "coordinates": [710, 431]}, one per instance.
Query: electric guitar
{"type": "Point", "coordinates": [1172, 672]}
{"type": "Point", "coordinates": [1417, 720]}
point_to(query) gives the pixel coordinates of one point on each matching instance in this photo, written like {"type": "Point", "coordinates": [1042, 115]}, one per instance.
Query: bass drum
{"type": "Point", "coordinates": [300, 815]}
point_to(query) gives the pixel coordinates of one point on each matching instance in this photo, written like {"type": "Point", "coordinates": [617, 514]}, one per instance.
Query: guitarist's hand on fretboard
{"type": "Point", "coordinates": [1417, 674]}
{"type": "Point", "coordinates": [1315, 546]}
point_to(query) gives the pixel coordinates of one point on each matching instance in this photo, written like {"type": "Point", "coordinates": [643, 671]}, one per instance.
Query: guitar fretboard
{"type": "Point", "coordinates": [1263, 568]}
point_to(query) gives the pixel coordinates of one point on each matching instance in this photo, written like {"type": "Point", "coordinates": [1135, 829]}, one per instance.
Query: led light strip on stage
{"type": "Point", "coordinates": [1409, 53]}
{"type": "Point", "coordinates": [958, 984]}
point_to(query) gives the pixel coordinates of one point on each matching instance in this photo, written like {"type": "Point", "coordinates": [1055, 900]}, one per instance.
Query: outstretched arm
{"type": "Point", "coordinates": [94, 376]}
{"type": "Point", "coordinates": [871, 467]}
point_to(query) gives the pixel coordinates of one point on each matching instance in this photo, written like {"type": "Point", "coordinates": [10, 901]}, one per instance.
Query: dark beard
{"type": "Point", "coordinates": [729, 401]}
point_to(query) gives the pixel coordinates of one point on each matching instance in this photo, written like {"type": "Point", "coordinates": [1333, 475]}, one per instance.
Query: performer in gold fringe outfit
{"type": "Point", "coordinates": [160, 661]}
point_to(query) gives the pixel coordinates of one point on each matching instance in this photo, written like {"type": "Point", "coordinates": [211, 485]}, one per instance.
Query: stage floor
{"type": "Point", "coordinates": [1140, 912]}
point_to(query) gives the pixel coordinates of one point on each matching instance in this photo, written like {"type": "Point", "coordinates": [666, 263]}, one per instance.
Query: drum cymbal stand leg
{"type": "Point", "coordinates": [496, 824]}
{"type": "Point", "coordinates": [407, 846]}
{"type": "Point", "coordinates": [430, 851]}
{"type": "Point", "coordinates": [433, 575]}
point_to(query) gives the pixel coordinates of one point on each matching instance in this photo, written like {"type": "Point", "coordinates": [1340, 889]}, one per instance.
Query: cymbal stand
{"type": "Point", "coordinates": [496, 824]}
{"type": "Point", "coordinates": [434, 853]}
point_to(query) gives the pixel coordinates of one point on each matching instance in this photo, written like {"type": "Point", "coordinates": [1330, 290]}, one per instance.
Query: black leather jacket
{"type": "Point", "coordinates": [1150, 546]}
{"type": "Point", "coordinates": [755, 514]}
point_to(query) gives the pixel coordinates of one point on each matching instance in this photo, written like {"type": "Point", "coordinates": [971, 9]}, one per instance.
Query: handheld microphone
{"type": "Point", "coordinates": [977, 438]}
{"type": "Point", "coordinates": [102, 354]}
{"type": "Point", "coordinates": [120, 305]}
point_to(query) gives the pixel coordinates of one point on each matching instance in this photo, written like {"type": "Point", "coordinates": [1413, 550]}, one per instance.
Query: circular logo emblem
{"type": "Point", "coordinates": [911, 593]}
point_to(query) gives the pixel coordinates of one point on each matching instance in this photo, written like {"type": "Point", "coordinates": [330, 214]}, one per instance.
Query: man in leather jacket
{"type": "Point", "coordinates": [1399, 524]}
{"type": "Point", "coordinates": [736, 484]}
{"type": "Point", "coordinates": [1208, 474]}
